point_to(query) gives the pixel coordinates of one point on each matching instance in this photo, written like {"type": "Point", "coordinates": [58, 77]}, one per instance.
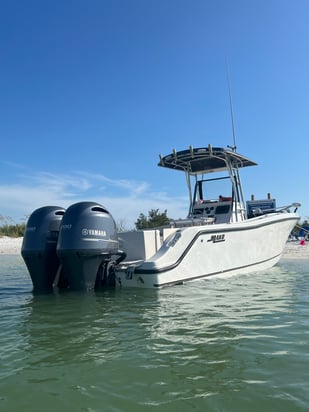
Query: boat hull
{"type": "Point", "coordinates": [212, 250]}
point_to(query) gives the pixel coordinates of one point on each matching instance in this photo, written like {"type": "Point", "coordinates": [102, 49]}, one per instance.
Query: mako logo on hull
{"type": "Point", "coordinates": [216, 238]}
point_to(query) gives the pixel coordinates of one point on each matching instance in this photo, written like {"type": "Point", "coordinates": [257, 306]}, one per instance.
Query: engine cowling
{"type": "Point", "coordinates": [39, 246]}
{"type": "Point", "coordinates": [87, 243]}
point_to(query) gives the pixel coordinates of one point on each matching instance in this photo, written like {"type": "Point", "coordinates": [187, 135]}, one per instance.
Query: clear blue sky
{"type": "Point", "coordinates": [92, 91]}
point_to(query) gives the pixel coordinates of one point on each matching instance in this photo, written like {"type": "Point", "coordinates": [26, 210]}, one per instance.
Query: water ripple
{"type": "Point", "coordinates": [228, 344]}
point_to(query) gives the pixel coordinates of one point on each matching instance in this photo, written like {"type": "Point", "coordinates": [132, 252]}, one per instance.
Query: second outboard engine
{"type": "Point", "coordinates": [87, 242]}
{"type": "Point", "coordinates": [39, 246]}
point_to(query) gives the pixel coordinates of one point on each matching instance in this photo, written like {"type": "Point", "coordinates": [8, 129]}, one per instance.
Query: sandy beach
{"type": "Point", "coordinates": [293, 250]}
{"type": "Point", "coordinates": [296, 250]}
{"type": "Point", "coordinates": [10, 245]}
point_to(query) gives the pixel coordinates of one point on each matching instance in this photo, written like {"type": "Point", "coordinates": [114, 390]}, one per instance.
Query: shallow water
{"type": "Point", "coordinates": [234, 344]}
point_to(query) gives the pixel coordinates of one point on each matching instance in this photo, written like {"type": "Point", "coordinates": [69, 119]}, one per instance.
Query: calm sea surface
{"type": "Point", "coordinates": [234, 344]}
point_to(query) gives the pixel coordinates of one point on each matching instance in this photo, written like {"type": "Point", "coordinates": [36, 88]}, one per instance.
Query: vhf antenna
{"type": "Point", "coordinates": [231, 107]}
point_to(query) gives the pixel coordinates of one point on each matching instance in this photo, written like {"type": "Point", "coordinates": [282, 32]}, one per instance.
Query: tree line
{"type": "Point", "coordinates": [9, 228]}
{"type": "Point", "coordinates": [155, 218]}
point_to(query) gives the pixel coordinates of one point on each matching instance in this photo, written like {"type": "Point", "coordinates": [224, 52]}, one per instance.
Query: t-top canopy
{"type": "Point", "coordinates": [204, 160]}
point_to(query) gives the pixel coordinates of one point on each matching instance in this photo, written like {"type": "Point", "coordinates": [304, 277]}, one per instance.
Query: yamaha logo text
{"type": "Point", "coordinates": [93, 232]}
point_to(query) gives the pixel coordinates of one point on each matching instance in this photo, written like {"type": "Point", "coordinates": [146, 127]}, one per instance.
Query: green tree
{"type": "Point", "coordinates": [154, 219]}
{"type": "Point", "coordinates": [9, 228]}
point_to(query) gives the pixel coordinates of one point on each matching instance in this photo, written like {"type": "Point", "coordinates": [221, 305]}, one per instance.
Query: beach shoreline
{"type": "Point", "coordinates": [292, 250]}
{"type": "Point", "coordinates": [296, 250]}
{"type": "Point", "coordinates": [10, 245]}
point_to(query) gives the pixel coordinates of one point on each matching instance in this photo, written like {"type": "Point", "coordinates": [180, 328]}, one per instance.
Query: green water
{"type": "Point", "coordinates": [234, 344]}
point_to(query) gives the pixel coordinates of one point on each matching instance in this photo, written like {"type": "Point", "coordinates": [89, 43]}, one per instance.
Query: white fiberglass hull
{"type": "Point", "coordinates": [211, 250]}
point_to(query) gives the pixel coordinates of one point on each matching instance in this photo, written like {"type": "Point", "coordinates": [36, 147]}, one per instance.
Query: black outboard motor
{"type": "Point", "coordinates": [87, 243]}
{"type": "Point", "coordinates": [39, 246]}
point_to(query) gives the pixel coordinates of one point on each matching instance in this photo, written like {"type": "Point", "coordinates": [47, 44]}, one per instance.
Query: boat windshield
{"type": "Point", "coordinates": [218, 189]}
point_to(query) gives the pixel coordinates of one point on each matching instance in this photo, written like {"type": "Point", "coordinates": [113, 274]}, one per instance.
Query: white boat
{"type": "Point", "coordinates": [221, 235]}
{"type": "Point", "coordinates": [79, 248]}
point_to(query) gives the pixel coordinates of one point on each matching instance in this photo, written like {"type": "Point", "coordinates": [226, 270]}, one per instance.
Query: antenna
{"type": "Point", "coordinates": [231, 107]}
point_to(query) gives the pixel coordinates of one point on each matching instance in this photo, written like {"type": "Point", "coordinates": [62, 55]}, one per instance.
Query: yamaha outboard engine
{"type": "Point", "coordinates": [39, 246]}
{"type": "Point", "coordinates": [87, 243]}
